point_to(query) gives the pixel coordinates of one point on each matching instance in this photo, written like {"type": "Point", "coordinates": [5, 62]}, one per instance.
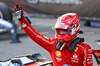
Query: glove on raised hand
{"type": "Point", "coordinates": [18, 11]}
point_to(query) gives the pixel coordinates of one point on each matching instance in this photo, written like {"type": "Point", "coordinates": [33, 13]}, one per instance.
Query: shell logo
{"type": "Point", "coordinates": [58, 53]}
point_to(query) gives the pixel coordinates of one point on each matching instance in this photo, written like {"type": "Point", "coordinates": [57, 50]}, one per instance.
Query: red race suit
{"type": "Point", "coordinates": [82, 56]}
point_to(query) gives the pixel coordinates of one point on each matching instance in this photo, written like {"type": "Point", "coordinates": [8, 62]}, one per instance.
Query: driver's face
{"type": "Point", "coordinates": [63, 31]}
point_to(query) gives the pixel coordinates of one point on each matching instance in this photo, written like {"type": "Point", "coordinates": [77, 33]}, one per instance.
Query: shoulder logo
{"type": "Point", "coordinates": [76, 48]}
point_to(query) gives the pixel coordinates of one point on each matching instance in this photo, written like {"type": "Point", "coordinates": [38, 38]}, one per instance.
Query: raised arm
{"type": "Point", "coordinates": [30, 31]}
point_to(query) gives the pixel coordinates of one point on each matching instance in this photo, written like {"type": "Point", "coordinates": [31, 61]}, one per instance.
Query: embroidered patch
{"type": "Point", "coordinates": [58, 59]}
{"type": "Point", "coordinates": [76, 48]}
{"type": "Point", "coordinates": [58, 53]}
{"type": "Point", "coordinates": [75, 58]}
{"type": "Point", "coordinates": [24, 25]}
{"type": "Point", "coordinates": [66, 65]}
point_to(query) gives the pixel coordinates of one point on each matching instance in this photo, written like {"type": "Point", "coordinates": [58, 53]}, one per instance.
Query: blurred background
{"type": "Point", "coordinates": [42, 15]}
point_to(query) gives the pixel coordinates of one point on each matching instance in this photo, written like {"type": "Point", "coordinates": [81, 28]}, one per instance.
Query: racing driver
{"type": "Point", "coordinates": [66, 48]}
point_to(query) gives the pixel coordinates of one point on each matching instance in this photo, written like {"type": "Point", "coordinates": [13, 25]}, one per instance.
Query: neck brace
{"type": "Point", "coordinates": [72, 45]}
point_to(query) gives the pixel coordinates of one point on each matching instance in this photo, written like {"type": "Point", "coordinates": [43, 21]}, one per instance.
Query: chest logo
{"type": "Point", "coordinates": [58, 53]}
{"type": "Point", "coordinates": [75, 56]}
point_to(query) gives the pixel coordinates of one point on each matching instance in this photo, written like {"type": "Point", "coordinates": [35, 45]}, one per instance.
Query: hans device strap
{"type": "Point", "coordinates": [75, 42]}
{"type": "Point", "coordinates": [72, 45]}
{"type": "Point", "coordinates": [59, 45]}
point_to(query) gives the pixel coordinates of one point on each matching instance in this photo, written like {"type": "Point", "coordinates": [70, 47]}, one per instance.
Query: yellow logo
{"type": "Point", "coordinates": [76, 48]}
{"type": "Point", "coordinates": [58, 53]}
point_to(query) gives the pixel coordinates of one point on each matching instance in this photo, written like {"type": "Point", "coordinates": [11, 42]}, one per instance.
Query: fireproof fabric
{"type": "Point", "coordinates": [82, 56]}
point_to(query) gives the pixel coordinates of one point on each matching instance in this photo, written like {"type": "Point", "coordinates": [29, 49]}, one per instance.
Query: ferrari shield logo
{"type": "Point", "coordinates": [76, 48]}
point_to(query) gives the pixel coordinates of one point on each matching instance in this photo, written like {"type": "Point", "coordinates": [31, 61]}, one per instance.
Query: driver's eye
{"type": "Point", "coordinates": [66, 30]}
{"type": "Point", "coordinates": [63, 31]}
